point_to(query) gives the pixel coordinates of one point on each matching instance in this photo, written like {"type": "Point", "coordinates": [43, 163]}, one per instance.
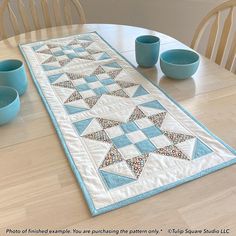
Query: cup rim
{"type": "Point", "coordinates": [16, 97]}
{"type": "Point", "coordinates": [12, 60]}
{"type": "Point", "coordinates": [150, 36]}
{"type": "Point", "coordinates": [181, 65]}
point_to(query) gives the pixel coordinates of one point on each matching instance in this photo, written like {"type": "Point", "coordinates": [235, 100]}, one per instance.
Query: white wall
{"type": "Point", "coordinates": [178, 18]}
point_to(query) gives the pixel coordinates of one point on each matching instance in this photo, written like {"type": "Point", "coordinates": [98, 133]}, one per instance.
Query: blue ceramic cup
{"type": "Point", "coordinates": [12, 74]}
{"type": "Point", "coordinates": [9, 104]}
{"type": "Point", "coordinates": [147, 49]}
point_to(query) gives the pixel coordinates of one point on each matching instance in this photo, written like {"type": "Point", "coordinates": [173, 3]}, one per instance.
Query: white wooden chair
{"type": "Point", "coordinates": [219, 40]}
{"type": "Point", "coordinates": [25, 16]}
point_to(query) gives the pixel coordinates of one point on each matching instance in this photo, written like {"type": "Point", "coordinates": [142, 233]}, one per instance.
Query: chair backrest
{"type": "Point", "coordinates": [219, 35]}
{"type": "Point", "coordinates": [25, 16]}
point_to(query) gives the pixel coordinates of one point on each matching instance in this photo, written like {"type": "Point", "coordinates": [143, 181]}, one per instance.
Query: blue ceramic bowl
{"type": "Point", "coordinates": [179, 63]}
{"type": "Point", "coordinates": [9, 104]}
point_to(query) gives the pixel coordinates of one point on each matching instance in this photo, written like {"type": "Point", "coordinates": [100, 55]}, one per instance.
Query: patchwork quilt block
{"type": "Point", "coordinates": [124, 137]}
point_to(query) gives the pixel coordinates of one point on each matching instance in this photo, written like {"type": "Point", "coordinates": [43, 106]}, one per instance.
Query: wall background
{"type": "Point", "coordinates": [177, 18]}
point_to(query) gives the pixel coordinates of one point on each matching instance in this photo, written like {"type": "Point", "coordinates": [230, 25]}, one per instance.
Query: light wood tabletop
{"type": "Point", "coordinates": [38, 188]}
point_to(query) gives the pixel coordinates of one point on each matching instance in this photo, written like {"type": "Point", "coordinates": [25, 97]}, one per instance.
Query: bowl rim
{"type": "Point", "coordinates": [11, 60]}
{"type": "Point", "coordinates": [148, 35]}
{"type": "Point", "coordinates": [183, 50]}
{"type": "Point", "coordinates": [16, 98]}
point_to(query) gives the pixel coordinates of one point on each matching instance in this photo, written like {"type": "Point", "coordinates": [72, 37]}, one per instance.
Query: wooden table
{"type": "Point", "coordinates": [38, 188]}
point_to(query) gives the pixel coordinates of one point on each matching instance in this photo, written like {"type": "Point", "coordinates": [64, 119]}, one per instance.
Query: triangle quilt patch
{"type": "Point", "coordinates": [82, 125]}
{"type": "Point", "coordinates": [201, 149]}
{"type": "Point", "coordinates": [65, 84]}
{"type": "Point", "coordinates": [158, 119]}
{"type": "Point", "coordinates": [54, 78]}
{"type": "Point", "coordinates": [99, 71]}
{"type": "Point", "coordinates": [74, 97]}
{"type": "Point", "coordinates": [136, 115]}
{"type": "Point", "coordinates": [115, 180]}
{"type": "Point", "coordinates": [177, 137]}
{"type": "Point", "coordinates": [113, 156]}
{"type": "Point", "coordinates": [172, 151]}
{"type": "Point", "coordinates": [98, 136]}
{"type": "Point", "coordinates": [105, 123]}
{"type": "Point", "coordinates": [140, 91]}
{"type": "Point", "coordinates": [72, 109]}
{"type": "Point", "coordinates": [137, 164]}
{"type": "Point", "coordinates": [153, 104]}
{"type": "Point", "coordinates": [113, 65]}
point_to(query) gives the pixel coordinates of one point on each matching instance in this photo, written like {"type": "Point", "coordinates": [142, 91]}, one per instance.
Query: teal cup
{"type": "Point", "coordinates": [12, 74]}
{"type": "Point", "coordinates": [147, 49]}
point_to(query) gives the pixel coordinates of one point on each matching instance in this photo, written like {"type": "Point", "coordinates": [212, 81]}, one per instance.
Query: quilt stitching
{"type": "Point", "coordinates": [137, 141]}
{"type": "Point", "coordinates": [113, 110]}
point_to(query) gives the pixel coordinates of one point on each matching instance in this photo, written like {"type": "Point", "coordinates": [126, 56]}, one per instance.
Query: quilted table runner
{"type": "Point", "coordinates": [125, 139]}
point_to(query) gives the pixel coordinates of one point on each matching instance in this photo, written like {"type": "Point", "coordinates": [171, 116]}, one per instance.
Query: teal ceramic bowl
{"type": "Point", "coordinates": [179, 63]}
{"type": "Point", "coordinates": [9, 104]}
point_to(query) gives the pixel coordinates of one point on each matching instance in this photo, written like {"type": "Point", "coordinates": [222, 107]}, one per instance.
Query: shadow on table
{"type": "Point", "coordinates": [178, 89]}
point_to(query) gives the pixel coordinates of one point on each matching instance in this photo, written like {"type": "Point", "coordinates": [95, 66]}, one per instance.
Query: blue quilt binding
{"type": "Point", "coordinates": [139, 197]}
